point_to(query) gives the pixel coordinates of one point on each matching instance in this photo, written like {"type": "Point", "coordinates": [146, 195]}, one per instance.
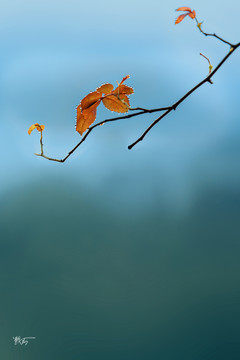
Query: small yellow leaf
{"type": "Point", "coordinates": [199, 25]}
{"type": "Point", "coordinates": [40, 128]}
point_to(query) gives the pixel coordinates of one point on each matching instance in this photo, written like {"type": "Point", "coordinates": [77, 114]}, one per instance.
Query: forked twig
{"type": "Point", "coordinates": [142, 111]}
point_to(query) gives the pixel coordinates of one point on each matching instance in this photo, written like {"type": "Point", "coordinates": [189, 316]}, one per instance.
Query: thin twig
{"type": "Point", "coordinates": [144, 111]}
{"type": "Point", "coordinates": [214, 35]}
{"type": "Point", "coordinates": [149, 110]}
{"type": "Point", "coordinates": [41, 143]}
{"type": "Point", "coordinates": [210, 65]}
{"type": "Point", "coordinates": [149, 128]}
{"type": "Point", "coordinates": [48, 158]}
{"type": "Point", "coordinates": [174, 106]}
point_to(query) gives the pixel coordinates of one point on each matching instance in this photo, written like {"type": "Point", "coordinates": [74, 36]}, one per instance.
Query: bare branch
{"type": "Point", "coordinates": [216, 36]}
{"type": "Point", "coordinates": [199, 25]}
{"type": "Point", "coordinates": [174, 106]}
{"type": "Point", "coordinates": [143, 111]}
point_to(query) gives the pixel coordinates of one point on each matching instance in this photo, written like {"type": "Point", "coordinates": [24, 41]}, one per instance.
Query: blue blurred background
{"type": "Point", "coordinates": [119, 254]}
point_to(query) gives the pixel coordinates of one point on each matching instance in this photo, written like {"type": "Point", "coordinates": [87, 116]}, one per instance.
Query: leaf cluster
{"type": "Point", "coordinates": [113, 99]}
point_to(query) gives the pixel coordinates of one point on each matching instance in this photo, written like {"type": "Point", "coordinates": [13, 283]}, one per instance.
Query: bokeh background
{"type": "Point", "coordinates": [119, 254]}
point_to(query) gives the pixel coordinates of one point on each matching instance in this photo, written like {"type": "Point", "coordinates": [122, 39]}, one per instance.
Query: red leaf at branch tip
{"type": "Point", "coordinates": [192, 14]}
{"type": "Point", "coordinates": [189, 12]}
{"type": "Point", "coordinates": [184, 8]}
{"type": "Point", "coordinates": [180, 18]}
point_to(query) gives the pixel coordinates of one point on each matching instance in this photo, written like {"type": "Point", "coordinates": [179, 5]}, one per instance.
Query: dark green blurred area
{"type": "Point", "coordinates": [91, 283]}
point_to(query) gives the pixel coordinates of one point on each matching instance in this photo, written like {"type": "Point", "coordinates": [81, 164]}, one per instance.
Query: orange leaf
{"type": "Point", "coordinates": [124, 79]}
{"type": "Point", "coordinates": [123, 89]}
{"type": "Point", "coordinates": [105, 88]}
{"type": "Point", "coordinates": [192, 14]}
{"type": "Point", "coordinates": [90, 99]}
{"type": "Point", "coordinates": [114, 100]}
{"type": "Point", "coordinates": [184, 8]}
{"type": "Point", "coordinates": [114, 103]}
{"type": "Point", "coordinates": [118, 101]}
{"type": "Point", "coordinates": [180, 18]}
{"type": "Point", "coordinates": [40, 128]}
{"type": "Point", "coordinates": [86, 117]}
{"type": "Point", "coordinates": [125, 99]}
